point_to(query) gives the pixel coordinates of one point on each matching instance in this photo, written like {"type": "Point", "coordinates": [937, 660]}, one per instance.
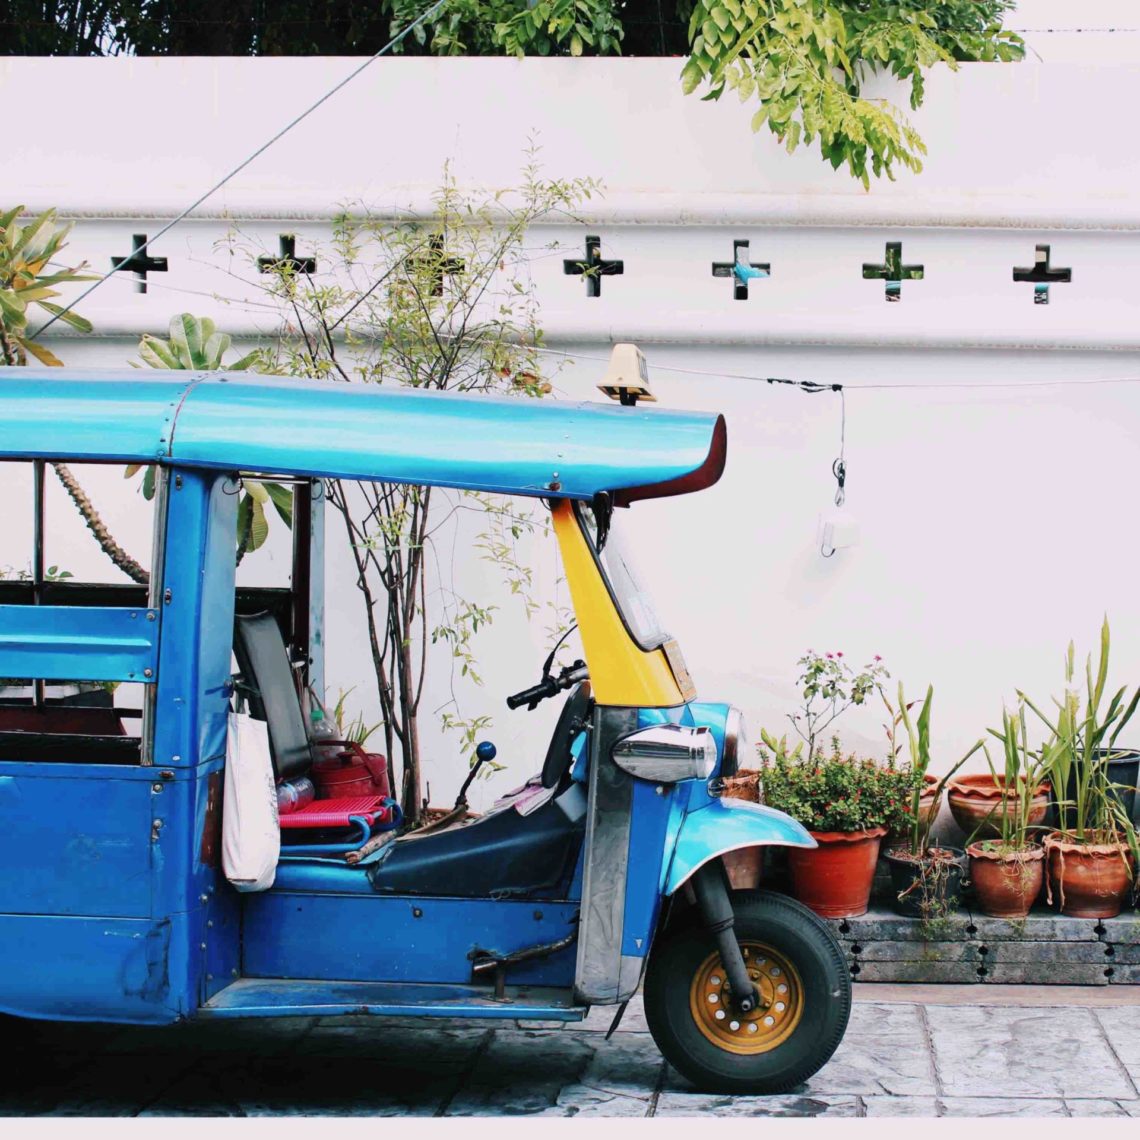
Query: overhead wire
{"type": "Point", "coordinates": [139, 250]}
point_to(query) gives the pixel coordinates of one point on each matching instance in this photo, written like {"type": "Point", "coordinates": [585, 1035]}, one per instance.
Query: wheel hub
{"type": "Point", "coordinates": [778, 1010]}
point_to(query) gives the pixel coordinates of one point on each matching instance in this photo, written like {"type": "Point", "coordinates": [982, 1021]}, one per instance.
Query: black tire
{"type": "Point", "coordinates": [823, 998]}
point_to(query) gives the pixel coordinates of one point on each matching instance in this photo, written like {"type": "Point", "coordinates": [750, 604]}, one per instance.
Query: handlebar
{"type": "Point", "coordinates": [549, 687]}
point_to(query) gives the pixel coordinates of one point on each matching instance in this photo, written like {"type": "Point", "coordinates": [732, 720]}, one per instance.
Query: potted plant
{"type": "Point", "coordinates": [926, 880]}
{"type": "Point", "coordinates": [1091, 856]}
{"type": "Point", "coordinates": [1007, 870]}
{"type": "Point", "coordinates": [981, 802]}
{"type": "Point", "coordinates": [844, 802]}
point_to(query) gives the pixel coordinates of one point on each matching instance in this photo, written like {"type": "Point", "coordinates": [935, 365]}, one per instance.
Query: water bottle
{"type": "Point", "coordinates": [294, 795]}
{"type": "Point", "coordinates": [326, 739]}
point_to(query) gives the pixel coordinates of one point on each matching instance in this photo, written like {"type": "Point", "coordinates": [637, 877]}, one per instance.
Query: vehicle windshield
{"type": "Point", "coordinates": [624, 582]}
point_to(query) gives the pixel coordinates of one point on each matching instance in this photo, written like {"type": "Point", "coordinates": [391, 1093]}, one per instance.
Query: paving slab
{"type": "Point", "coordinates": [884, 1051]}
{"type": "Point", "coordinates": [601, 1017]}
{"type": "Point", "coordinates": [792, 1104]}
{"type": "Point", "coordinates": [1078, 1106]}
{"type": "Point", "coordinates": [103, 1086]}
{"type": "Point", "coordinates": [355, 1071]}
{"type": "Point", "coordinates": [1121, 1027]}
{"type": "Point", "coordinates": [1002, 1052]}
{"type": "Point", "coordinates": [977, 1106]}
{"type": "Point", "coordinates": [559, 1073]}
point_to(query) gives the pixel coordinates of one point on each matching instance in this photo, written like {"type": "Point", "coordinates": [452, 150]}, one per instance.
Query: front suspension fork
{"type": "Point", "coordinates": [710, 886]}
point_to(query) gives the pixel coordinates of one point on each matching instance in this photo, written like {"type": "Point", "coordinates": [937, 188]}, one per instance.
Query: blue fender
{"type": "Point", "coordinates": [727, 825]}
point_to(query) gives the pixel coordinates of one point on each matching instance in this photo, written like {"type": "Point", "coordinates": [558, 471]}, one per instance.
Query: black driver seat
{"type": "Point", "coordinates": [504, 854]}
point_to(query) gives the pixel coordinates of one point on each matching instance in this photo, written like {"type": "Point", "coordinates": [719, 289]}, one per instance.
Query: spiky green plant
{"type": "Point", "coordinates": [918, 740]}
{"type": "Point", "coordinates": [1081, 743]}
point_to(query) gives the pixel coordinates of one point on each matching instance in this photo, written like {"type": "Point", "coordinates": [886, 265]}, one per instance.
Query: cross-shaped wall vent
{"type": "Point", "coordinates": [139, 262]}
{"type": "Point", "coordinates": [741, 269]}
{"type": "Point", "coordinates": [1042, 274]}
{"type": "Point", "coordinates": [594, 267]}
{"type": "Point", "coordinates": [893, 272]}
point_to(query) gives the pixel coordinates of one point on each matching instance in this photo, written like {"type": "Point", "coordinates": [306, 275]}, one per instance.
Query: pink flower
{"type": "Point", "coordinates": [877, 657]}
{"type": "Point", "coordinates": [839, 655]}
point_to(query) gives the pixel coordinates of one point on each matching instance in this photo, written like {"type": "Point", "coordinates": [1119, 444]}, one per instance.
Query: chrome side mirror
{"type": "Point", "coordinates": [667, 753]}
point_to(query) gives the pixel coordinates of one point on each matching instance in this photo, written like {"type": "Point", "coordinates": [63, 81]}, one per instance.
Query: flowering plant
{"type": "Point", "coordinates": [830, 687]}
{"type": "Point", "coordinates": [833, 792]}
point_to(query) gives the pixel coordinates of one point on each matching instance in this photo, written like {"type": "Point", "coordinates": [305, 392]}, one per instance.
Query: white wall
{"type": "Point", "coordinates": [996, 522]}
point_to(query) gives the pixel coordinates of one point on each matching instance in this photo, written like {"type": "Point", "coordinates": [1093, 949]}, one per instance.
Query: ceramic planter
{"type": "Point", "coordinates": [834, 879]}
{"type": "Point", "coordinates": [1006, 884]}
{"type": "Point", "coordinates": [976, 802]}
{"type": "Point", "coordinates": [1088, 880]}
{"type": "Point", "coordinates": [927, 888]}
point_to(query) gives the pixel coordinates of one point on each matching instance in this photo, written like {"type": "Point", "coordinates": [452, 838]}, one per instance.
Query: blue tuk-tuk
{"type": "Point", "coordinates": [606, 876]}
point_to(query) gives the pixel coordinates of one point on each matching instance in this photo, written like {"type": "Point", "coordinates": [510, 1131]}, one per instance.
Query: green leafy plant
{"type": "Point", "coordinates": [195, 344]}
{"type": "Point", "coordinates": [25, 253]}
{"type": "Point", "coordinates": [832, 792]}
{"type": "Point", "coordinates": [27, 280]}
{"type": "Point", "coordinates": [805, 61]}
{"type": "Point", "coordinates": [540, 27]}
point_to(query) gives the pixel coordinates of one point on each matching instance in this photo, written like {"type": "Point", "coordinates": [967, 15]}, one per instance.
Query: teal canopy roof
{"type": "Point", "coordinates": [238, 421]}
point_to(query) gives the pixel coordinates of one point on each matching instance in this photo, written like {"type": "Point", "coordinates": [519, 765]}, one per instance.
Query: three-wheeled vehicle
{"type": "Point", "coordinates": [602, 877]}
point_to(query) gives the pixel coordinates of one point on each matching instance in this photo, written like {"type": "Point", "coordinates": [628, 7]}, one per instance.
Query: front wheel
{"type": "Point", "coordinates": [805, 991]}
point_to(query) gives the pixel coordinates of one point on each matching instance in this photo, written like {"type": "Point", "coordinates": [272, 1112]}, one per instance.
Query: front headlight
{"type": "Point", "coordinates": [737, 750]}
{"type": "Point", "coordinates": [667, 753]}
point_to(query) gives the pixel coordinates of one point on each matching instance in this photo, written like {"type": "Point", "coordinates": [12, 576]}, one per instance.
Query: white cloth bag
{"type": "Point", "coordinates": [251, 834]}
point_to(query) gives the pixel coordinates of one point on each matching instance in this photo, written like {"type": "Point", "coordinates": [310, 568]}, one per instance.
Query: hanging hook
{"type": "Point", "coordinates": [838, 469]}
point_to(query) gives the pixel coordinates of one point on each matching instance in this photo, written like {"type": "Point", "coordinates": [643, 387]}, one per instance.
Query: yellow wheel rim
{"type": "Point", "coordinates": [768, 1026]}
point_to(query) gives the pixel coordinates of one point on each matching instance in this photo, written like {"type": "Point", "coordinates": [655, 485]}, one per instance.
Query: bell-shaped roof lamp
{"type": "Point", "coordinates": [627, 377]}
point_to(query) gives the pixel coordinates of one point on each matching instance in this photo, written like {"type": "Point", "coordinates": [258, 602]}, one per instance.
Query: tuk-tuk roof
{"type": "Point", "coordinates": [240, 421]}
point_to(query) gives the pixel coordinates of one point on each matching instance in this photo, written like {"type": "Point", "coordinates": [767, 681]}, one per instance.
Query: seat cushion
{"type": "Point", "coordinates": [336, 813]}
{"type": "Point", "coordinates": [502, 855]}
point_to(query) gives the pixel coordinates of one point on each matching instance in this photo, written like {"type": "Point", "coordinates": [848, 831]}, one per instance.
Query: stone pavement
{"type": "Point", "coordinates": [910, 1051]}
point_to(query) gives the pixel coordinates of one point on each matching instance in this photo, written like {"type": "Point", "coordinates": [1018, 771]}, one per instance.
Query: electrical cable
{"type": "Point", "coordinates": [814, 386]}
{"type": "Point", "coordinates": [426, 15]}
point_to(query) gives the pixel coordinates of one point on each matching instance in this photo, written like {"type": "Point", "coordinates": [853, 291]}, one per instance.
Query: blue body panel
{"type": "Point", "coordinates": [381, 938]}
{"type": "Point", "coordinates": [198, 621]}
{"type": "Point", "coordinates": [726, 825]}
{"type": "Point", "coordinates": [88, 643]}
{"type": "Point", "coordinates": [95, 969]}
{"type": "Point", "coordinates": [75, 840]}
{"type": "Point", "coordinates": [255, 997]}
{"type": "Point", "coordinates": [235, 421]}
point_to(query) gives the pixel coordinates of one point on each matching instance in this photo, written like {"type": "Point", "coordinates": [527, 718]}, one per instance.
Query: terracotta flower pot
{"type": "Point", "coordinates": [744, 867]}
{"type": "Point", "coordinates": [1006, 884]}
{"type": "Point", "coordinates": [834, 879]}
{"type": "Point", "coordinates": [929, 805]}
{"type": "Point", "coordinates": [978, 800]}
{"type": "Point", "coordinates": [1088, 880]}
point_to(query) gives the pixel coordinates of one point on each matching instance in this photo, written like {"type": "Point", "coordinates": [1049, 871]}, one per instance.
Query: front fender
{"type": "Point", "coordinates": [727, 825]}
